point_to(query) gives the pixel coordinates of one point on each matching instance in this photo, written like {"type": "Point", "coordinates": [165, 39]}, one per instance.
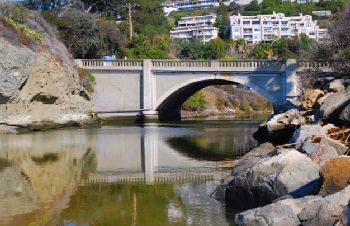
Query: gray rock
{"type": "Point", "coordinates": [307, 211]}
{"type": "Point", "coordinates": [332, 106]}
{"type": "Point", "coordinates": [280, 128]}
{"type": "Point", "coordinates": [261, 181]}
{"type": "Point", "coordinates": [15, 66]}
{"type": "Point", "coordinates": [337, 85]}
{"type": "Point", "coordinates": [339, 147]}
{"type": "Point", "coordinates": [307, 131]}
{"type": "Point", "coordinates": [308, 148]}
{"type": "Point", "coordinates": [345, 116]}
{"type": "Point", "coordinates": [324, 153]}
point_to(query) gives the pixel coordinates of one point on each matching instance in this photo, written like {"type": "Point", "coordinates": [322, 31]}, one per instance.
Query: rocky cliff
{"type": "Point", "coordinates": [39, 83]}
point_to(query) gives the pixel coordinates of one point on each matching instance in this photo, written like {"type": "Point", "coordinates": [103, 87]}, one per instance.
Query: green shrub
{"type": "Point", "coordinates": [196, 102]}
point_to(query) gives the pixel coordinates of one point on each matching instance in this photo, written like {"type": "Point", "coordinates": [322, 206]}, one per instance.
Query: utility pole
{"type": "Point", "coordinates": [130, 22]}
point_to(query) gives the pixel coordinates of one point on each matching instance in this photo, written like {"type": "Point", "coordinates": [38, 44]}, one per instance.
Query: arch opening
{"type": "Point", "coordinates": [169, 108]}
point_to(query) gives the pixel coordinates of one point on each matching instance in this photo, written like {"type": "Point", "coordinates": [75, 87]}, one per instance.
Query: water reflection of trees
{"type": "Point", "coordinates": [216, 144]}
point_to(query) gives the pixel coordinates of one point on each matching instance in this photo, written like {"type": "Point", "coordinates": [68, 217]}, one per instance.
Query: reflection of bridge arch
{"type": "Point", "coordinates": [169, 104]}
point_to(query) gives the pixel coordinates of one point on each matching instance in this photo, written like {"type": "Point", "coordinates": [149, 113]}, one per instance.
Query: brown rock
{"type": "Point", "coordinates": [310, 97]}
{"type": "Point", "coordinates": [335, 175]}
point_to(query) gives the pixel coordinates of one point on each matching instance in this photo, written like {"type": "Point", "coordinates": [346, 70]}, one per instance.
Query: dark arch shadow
{"type": "Point", "coordinates": [170, 108]}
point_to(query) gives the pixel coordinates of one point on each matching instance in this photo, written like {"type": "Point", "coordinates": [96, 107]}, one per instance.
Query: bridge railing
{"type": "Point", "coordinates": [252, 63]}
{"type": "Point", "coordinates": [110, 63]}
{"type": "Point", "coordinates": [213, 63]}
{"type": "Point", "coordinates": [180, 63]}
{"type": "Point", "coordinates": [314, 64]}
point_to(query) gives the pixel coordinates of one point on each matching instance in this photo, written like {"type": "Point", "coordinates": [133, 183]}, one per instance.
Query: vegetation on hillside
{"type": "Point", "coordinates": [89, 30]}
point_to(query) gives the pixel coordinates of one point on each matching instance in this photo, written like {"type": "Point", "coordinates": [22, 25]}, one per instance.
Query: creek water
{"type": "Point", "coordinates": [154, 174]}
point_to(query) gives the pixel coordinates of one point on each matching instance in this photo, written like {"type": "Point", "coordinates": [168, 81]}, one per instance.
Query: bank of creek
{"type": "Point", "coordinates": [154, 174]}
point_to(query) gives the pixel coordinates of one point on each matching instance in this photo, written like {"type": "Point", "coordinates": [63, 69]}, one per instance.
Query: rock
{"type": "Point", "coordinates": [4, 129]}
{"type": "Point", "coordinates": [40, 89]}
{"type": "Point", "coordinates": [332, 106]}
{"type": "Point", "coordinates": [282, 107]}
{"type": "Point", "coordinates": [324, 153]}
{"type": "Point", "coordinates": [261, 181]}
{"type": "Point", "coordinates": [335, 175]}
{"type": "Point", "coordinates": [310, 97]}
{"type": "Point", "coordinates": [337, 85]}
{"type": "Point", "coordinates": [345, 116]}
{"type": "Point", "coordinates": [262, 151]}
{"type": "Point", "coordinates": [309, 148]}
{"type": "Point", "coordinates": [306, 211]}
{"type": "Point", "coordinates": [307, 131]}
{"type": "Point", "coordinates": [15, 65]}
{"type": "Point", "coordinates": [280, 128]}
{"type": "Point", "coordinates": [339, 147]}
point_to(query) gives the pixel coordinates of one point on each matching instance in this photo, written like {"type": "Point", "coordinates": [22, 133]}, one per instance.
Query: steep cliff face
{"type": "Point", "coordinates": [39, 83]}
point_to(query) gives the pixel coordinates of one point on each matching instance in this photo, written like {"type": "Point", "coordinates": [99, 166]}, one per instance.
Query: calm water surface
{"type": "Point", "coordinates": [157, 174]}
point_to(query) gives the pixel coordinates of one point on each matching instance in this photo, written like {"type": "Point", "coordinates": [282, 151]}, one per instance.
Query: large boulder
{"type": "Point", "coordinates": [257, 182]}
{"type": "Point", "coordinates": [39, 82]}
{"type": "Point", "coordinates": [310, 97]}
{"type": "Point", "coordinates": [335, 175]}
{"type": "Point", "coordinates": [306, 211]}
{"type": "Point", "coordinates": [280, 128]}
{"type": "Point", "coordinates": [16, 63]}
{"type": "Point", "coordinates": [332, 106]}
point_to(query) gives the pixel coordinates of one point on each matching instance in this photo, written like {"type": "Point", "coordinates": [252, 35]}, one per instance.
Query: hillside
{"type": "Point", "coordinates": [218, 100]}
{"type": "Point", "coordinates": [39, 83]}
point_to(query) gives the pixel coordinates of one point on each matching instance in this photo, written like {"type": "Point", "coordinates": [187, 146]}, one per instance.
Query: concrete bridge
{"type": "Point", "coordinates": [159, 87]}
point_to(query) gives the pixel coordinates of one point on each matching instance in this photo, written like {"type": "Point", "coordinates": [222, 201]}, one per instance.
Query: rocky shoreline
{"type": "Point", "coordinates": [39, 82]}
{"type": "Point", "coordinates": [299, 175]}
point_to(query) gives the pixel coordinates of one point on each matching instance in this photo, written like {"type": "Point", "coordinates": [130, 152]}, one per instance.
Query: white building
{"type": "Point", "coordinates": [197, 27]}
{"type": "Point", "coordinates": [322, 13]}
{"type": "Point", "coordinates": [255, 29]}
{"type": "Point", "coordinates": [186, 5]}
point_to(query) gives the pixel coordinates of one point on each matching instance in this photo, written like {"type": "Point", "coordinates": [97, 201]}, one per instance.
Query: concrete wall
{"type": "Point", "coordinates": [116, 90]}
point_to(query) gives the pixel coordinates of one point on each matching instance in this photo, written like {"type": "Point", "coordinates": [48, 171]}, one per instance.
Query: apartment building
{"type": "Point", "coordinates": [186, 5]}
{"type": "Point", "coordinates": [196, 27]}
{"type": "Point", "coordinates": [255, 29]}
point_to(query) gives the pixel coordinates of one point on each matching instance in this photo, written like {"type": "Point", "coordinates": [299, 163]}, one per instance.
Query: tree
{"type": "Point", "coordinates": [216, 48]}
{"type": "Point", "coordinates": [253, 6]}
{"type": "Point", "coordinates": [336, 46]}
{"type": "Point", "coordinates": [79, 32]}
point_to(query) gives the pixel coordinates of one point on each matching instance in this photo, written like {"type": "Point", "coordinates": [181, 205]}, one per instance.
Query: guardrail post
{"type": "Point", "coordinates": [79, 62]}
{"type": "Point", "coordinates": [147, 83]}
{"type": "Point", "coordinates": [291, 83]}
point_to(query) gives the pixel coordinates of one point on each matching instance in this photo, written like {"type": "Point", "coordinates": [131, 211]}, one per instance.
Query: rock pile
{"type": "Point", "coordinates": [302, 177]}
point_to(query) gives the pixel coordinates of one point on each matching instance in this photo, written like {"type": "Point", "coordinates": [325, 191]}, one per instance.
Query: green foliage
{"type": "Point", "coordinates": [142, 48]}
{"type": "Point", "coordinates": [244, 106]}
{"type": "Point", "coordinates": [196, 102]}
{"type": "Point", "coordinates": [79, 32]}
{"type": "Point", "coordinates": [283, 48]}
{"type": "Point", "coordinates": [216, 48]}
{"type": "Point", "coordinates": [253, 6]}
{"type": "Point", "coordinates": [346, 53]}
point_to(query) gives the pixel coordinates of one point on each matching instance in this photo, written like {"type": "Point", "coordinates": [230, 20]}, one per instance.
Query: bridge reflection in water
{"type": "Point", "coordinates": [40, 172]}
{"type": "Point", "coordinates": [148, 157]}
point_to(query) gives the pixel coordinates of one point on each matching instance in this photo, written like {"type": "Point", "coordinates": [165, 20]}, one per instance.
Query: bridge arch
{"type": "Point", "coordinates": [169, 103]}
